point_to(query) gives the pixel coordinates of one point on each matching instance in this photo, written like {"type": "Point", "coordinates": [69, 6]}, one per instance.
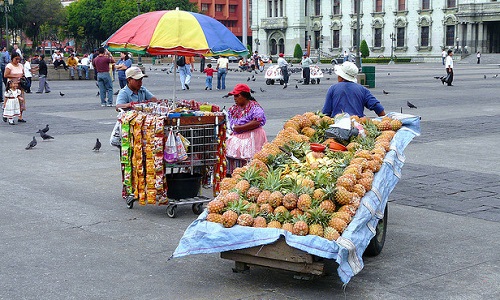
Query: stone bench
{"type": "Point", "coordinates": [61, 74]}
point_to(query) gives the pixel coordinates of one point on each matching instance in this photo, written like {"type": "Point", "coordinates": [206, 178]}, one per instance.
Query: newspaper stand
{"type": "Point", "coordinates": [185, 180]}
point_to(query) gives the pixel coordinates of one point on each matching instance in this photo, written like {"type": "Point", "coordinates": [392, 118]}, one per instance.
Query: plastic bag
{"type": "Point", "coordinates": [170, 154]}
{"type": "Point", "coordinates": [116, 135]}
{"type": "Point", "coordinates": [342, 130]}
{"type": "Point", "coordinates": [181, 151]}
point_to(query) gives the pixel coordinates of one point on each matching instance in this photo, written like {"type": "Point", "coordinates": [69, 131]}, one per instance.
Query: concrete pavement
{"type": "Point", "coordinates": [65, 232]}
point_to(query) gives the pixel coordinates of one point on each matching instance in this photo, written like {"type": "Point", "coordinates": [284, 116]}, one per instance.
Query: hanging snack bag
{"type": "Point", "coordinates": [181, 150]}
{"type": "Point", "coordinates": [170, 154]}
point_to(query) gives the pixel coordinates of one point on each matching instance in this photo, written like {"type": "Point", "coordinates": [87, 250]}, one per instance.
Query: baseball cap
{"type": "Point", "coordinates": [281, 55]}
{"type": "Point", "coordinates": [135, 73]}
{"type": "Point", "coordinates": [240, 87]}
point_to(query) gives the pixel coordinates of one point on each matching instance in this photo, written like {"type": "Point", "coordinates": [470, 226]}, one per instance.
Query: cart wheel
{"type": "Point", "coordinates": [317, 80]}
{"type": "Point", "coordinates": [130, 202]}
{"type": "Point", "coordinates": [272, 81]}
{"type": "Point", "coordinates": [197, 208]}
{"type": "Point", "coordinates": [171, 211]}
{"type": "Point", "coordinates": [282, 82]}
{"type": "Point", "coordinates": [377, 243]}
{"type": "Point", "coordinates": [313, 81]}
{"type": "Point", "coordinates": [268, 81]}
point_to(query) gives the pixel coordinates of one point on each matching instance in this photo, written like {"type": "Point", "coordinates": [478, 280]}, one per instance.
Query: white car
{"type": "Point", "coordinates": [213, 59]}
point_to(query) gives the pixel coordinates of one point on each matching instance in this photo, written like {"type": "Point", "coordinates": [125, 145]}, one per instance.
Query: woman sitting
{"type": "Point", "coordinates": [246, 119]}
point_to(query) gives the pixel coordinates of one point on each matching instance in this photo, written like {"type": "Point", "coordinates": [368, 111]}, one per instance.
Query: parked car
{"type": "Point", "coordinates": [213, 59]}
{"type": "Point", "coordinates": [264, 58]}
{"type": "Point", "coordinates": [340, 59]}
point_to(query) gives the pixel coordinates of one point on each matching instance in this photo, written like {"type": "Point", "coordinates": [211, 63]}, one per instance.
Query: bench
{"type": "Point", "coordinates": [61, 74]}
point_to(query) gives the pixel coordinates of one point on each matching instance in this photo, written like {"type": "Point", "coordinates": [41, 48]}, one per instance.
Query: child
{"type": "Point", "coordinates": [210, 75]}
{"type": "Point", "coordinates": [11, 105]}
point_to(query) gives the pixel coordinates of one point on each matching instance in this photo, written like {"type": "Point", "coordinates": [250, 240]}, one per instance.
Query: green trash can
{"type": "Point", "coordinates": [369, 72]}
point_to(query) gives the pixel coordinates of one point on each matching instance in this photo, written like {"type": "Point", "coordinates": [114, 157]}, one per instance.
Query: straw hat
{"type": "Point", "coordinates": [347, 70]}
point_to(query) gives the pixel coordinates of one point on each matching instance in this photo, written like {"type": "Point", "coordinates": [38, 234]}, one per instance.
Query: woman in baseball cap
{"type": "Point", "coordinates": [246, 119]}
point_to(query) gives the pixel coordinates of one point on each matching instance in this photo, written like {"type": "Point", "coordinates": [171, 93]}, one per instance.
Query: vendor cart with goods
{"type": "Point", "coordinates": [273, 74]}
{"type": "Point", "coordinates": [170, 151]}
{"type": "Point", "coordinates": [315, 196]}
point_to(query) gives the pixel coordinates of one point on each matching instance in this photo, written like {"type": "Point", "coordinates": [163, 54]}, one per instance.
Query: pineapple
{"type": "Point", "coordinates": [231, 197]}
{"type": "Point", "coordinates": [215, 206]}
{"type": "Point", "coordinates": [384, 125]}
{"type": "Point", "coordinates": [295, 212]}
{"type": "Point", "coordinates": [342, 196]}
{"type": "Point", "coordinates": [259, 165]}
{"type": "Point", "coordinates": [331, 234]}
{"type": "Point", "coordinates": [253, 193]}
{"type": "Point", "coordinates": [345, 182]}
{"type": "Point", "coordinates": [245, 220]}
{"type": "Point", "coordinates": [227, 184]}
{"type": "Point", "coordinates": [350, 209]}
{"type": "Point", "coordinates": [366, 182]}
{"type": "Point", "coordinates": [286, 221]}
{"type": "Point", "coordinates": [242, 186]}
{"type": "Point", "coordinates": [396, 125]}
{"type": "Point", "coordinates": [260, 222]}
{"type": "Point", "coordinates": [274, 222]}
{"type": "Point", "coordinates": [308, 131]}
{"type": "Point", "coordinates": [318, 194]}
{"type": "Point", "coordinates": [275, 199]}
{"type": "Point", "coordinates": [359, 189]}
{"type": "Point", "coordinates": [304, 202]}
{"type": "Point", "coordinates": [263, 197]}
{"type": "Point", "coordinates": [229, 218]}
{"type": "Point", "coordinates": [266, 208]}
{"type": "Point", "coordinates": [300, 226]}
{"type": "Point", "coordinates": [343, 215]}
{"type": "Point", "coordinates": [338, 224]}
{"type": "Point", "coordinates": [290, 200]}
{"type": "Point", "coordinates": [327, 205]}
{"type": "Point", "coordinates": [280, 210]}
{"type": "Point", "coordinates": [214, 217]}
{"type": "Point", "coordinates": [318, 218]}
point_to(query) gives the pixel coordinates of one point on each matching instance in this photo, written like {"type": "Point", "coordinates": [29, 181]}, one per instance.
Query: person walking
{"type": "Point", "coordinates": [443, 55]}
{"type": "Point", "coordinates": [283, 65]}
{"type": "Point", "coordinates": [14, 71]}
{"type": "Point", "coordinates": [101, 65]}
{"type": "Point", "coordinates": [12, 104]}
{"type": "Point", "coordinates": [42, 76]}
{"type": "Point", "coordinates": [306, 71]}
{"type": "Point", "coordinates": [478, 56]}
{"type": "Point", "coordinates": [449, 68]}
{"type": "Point", "coordinates": [210, 75]}
{"type": "Point", "coordinates": [222, 64]}
{"type": "Point", "coordinates": [182, 68]}
{"type": "Point", "coordinates": [346, 56]}
{"type": "Point", "coordinates": [348, 96]}
{"type": "Point", "coordinates": [5, 60]}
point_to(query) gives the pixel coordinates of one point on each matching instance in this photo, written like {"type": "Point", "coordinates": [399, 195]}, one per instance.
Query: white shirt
{"type": "Point", "coordinates": [444, 53]}
{"type": "Point", "coordinates": [282, 62]}
{"type": "Point", "coordinates": [222, 62]}
{"type": "Point", "coordinates": [448, 62]}
{"type": "Point", "coordinates": [85, 61]}
{"type": "Point", "coordinates": [27, 69]}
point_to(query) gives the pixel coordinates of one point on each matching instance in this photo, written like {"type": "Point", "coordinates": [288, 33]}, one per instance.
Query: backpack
{"type": "Point", "coordinates": [181, 61]}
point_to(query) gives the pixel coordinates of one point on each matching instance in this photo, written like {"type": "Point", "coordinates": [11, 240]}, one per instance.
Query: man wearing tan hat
{"type": "Point", "coordinates": [348, 96]}
{"type": "Point", "coordinates": [134, 92]}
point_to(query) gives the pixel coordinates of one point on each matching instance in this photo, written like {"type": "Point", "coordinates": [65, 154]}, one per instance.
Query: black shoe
{"type": "Point", "coordinates": [47, 91]}
{"type": "Point", "coordinates": [187, 86]}
{"type": "Point", "coordinates": [206, 88]}
{"type": "Point", "coordinates": [38, 92]}
{"type": "Point", "coordinates": [285, 86]}
{"type": "Point", "coordinates": [21, 121]}
{"type": "Point", "coordinates": [4, 119]}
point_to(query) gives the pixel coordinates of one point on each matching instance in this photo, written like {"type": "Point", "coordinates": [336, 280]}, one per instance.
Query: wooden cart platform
{"type": "Point", "coordinates": [279, 255]}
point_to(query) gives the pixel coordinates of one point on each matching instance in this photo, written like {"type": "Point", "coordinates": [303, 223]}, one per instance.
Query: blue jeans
{"type": "Point", "coordinates": [105, 86]}
{"type": "Point", "coordinates": [208, 82]}
{"type": "Point", "coordinates": [221, 78]}
{"type": "Point", "coordinates": [83, 69]}
{"type": "Point", "coordinates": [182, 75]}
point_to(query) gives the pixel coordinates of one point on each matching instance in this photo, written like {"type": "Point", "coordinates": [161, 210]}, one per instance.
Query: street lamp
{"type": "Point", "coordinates": [392, 36]}
{"type": "Point", "coordinates": [6, 10]}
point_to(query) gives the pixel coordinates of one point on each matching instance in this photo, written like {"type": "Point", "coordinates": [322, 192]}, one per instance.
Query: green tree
{"type": "Point", "coordinates": [365, 51]}
{"type": "Point", "coordinates": [297, 52]}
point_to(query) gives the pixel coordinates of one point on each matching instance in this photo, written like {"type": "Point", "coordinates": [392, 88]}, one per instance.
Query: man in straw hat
{"type": "Point", "coordinates": [348, 96]}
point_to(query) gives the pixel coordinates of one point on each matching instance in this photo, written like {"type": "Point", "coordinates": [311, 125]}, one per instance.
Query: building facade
{"type": "Point", "coordinates": [415, 28]}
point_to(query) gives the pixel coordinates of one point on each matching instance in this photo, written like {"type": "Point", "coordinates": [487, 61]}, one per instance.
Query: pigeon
{"type": "Point", "coordinates": [44, 136]}
{"type": "Point", "coordinates": [401, 109]}
{"type": "Point", "coordinates": [248, 79]}
{"type": "Point", "coordinates": [262, 90]}
{"type": "Point", "coordinates": [383, 91]}
{"type": "Point", "coordinates": [97, 95]}
{"type": "Point", "coordinates": [60, 93]}
{"type": "Point", "coordinates": [225, 96]}
{"type": "Point", "coordinates": [253, 79]}
{"type": "Point", "coordinates": [45, 129]}
{"type": "Point", "coordinates": [32, 144]}
{"type": "Point", "coordinates": [410, 105]}
{"type": "Point", "coordinates": [164, 69]}
{"type": "Point", "coordinates": [388, 74]}
{"type": "Point", "coordinates": [97, 145]}
{"type": "Point", "coordinates": [253, 76]}
{"type": "Point", "coordinates": [439, 77]}
{"type": "Point", "coordinates": [252, 91]}
{"type": "Point", "coordinates": [484, 76]}
{"type": "Point", "coordinates": [495, 76]}
{"type": "Point", "coordinates": [296, 86]}
{"type": "Point", "coordinates": [328, 78]}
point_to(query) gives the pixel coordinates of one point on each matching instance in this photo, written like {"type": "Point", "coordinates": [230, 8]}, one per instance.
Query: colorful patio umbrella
{"type": "Point", "coordinates": [175, 32]}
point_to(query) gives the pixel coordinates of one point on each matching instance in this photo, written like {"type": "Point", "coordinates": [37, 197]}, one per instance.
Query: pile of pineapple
{"type": "Point", "coordinates": [318, 196]}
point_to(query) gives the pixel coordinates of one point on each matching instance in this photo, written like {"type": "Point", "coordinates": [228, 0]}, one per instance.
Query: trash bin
{"type": "Point", "coordinates": [369, 72]}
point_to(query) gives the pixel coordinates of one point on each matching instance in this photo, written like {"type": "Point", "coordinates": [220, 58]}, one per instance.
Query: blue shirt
{"type": "Point", "coordinates": [121, 73]}
{"type": "Point", "coordinates": [126, 95]}
{"type": "Point", "coordinates": [350, 97]}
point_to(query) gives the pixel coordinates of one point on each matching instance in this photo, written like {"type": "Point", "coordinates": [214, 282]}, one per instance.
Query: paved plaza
{"type": "Point", "coordinates": [65, 232]}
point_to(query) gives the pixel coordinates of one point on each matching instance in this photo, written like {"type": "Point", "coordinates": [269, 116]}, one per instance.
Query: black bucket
{"type": "Point", "coordinates": [183, 185]}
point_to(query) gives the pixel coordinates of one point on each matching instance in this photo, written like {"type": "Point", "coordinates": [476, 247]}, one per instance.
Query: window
{"type": "Point", "coordinates": [426, 4]}
{"type": "Point", "coordinates": [401, 5]}
{"type": "Point", "coordinates": [378, 38]}
{"type": "Point", "coordinates": [400, 37]}
{"type": "Point", "coordinates": [336, 7]}
{"type": "Point", "coordinates": [317, 7]}
{"type": "Point", "coordinates": [424, 36]}
{"type": "Point", "coordinates": [232, 8]}
{"type": "Point", "coordinates": [336, 39]}
{"type": "Point", "coordinates": [355, 7]}
{"type": "Point", "coordinates": [306, 11]}
{"type": "Point", "coordinates": [354, 39]}
{"type": "Point", "coordinates": [378, 5]}
{"type": "Point", "coordinates": [281, 9]}
{"type": "Point", "coordinates": [451, 3]}
{"type": "Point", "coordinates": [204, 6]}
{"type": "Point", "coordinates": [276, 7]}
{"type": "Point", "coordinates": [450, 35]}
{"type": "Point", "coordinates": [270, 8]}
{"type": "Point", "coordinates": [218, 7]}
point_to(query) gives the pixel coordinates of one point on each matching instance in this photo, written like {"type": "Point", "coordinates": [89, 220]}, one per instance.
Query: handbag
{"type": "Point", "coordinates": [23, 83]}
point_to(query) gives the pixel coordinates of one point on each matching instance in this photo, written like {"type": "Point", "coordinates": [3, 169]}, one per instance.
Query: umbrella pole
{"type": "Point", "coordinates": [175, 78]}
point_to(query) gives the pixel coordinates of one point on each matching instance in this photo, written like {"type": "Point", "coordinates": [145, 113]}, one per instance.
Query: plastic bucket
{"type": "Point", "coordinates": [183, 185]}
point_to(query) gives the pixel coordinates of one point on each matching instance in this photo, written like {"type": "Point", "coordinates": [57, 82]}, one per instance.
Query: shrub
{"type": "Point", "coordinates": [365, 51]}
{"type": "Point", "coordinates": [297, 52]}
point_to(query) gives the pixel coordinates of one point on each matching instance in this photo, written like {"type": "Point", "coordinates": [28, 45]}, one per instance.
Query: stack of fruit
{"type": "Point", "coordinates": [318, 196]}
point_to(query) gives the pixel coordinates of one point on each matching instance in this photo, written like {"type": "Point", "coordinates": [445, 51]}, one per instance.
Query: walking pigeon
{"type": "Point", "coordinates": [32, 144]}
{"type": "Point", "coordinates": [97, 145]}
